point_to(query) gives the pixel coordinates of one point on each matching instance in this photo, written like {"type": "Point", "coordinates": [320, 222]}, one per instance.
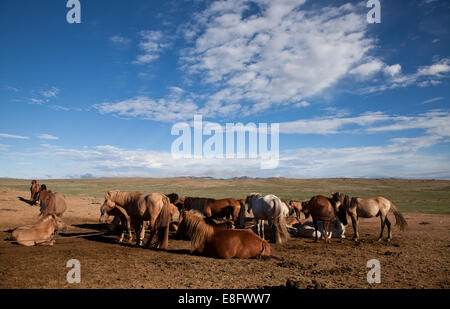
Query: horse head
{"type": "Point", "coordinates": [107, 206]}
{"type": "Point", "coordinates": [60, 226]}
{"type": "Point", "coordinates": [305, 209]}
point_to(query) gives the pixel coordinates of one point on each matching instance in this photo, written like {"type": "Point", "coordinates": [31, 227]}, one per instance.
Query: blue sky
{"type": "Point", "coordinates": [99, 98]}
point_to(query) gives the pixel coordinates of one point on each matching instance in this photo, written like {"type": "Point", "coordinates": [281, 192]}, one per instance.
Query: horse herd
{"type": "Point", "coordinates": [196, 219]}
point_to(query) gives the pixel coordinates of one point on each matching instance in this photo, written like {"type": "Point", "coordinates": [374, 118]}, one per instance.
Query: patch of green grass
{"type": "Point", "coordinates": [428, 196]}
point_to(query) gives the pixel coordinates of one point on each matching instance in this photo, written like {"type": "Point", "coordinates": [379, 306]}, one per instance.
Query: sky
{"type": "Point", "coordinates": [100, 98]}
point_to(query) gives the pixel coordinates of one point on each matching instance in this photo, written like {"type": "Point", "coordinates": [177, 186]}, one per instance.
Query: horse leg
{"type": "Point", "coordinates": [388, 223]}
{"type": "Point", "coordinates": [261, 223]}
{"type": "Point", "coordinates": [383, 222]}
{"type": "Point", "coordinates": [355, 226]}
{"type": "Point", "coordinates": [315, 228]}
{"type": "Point", "coordinates": [325, 227]}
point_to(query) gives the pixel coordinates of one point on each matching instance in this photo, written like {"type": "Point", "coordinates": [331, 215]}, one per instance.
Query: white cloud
{"type": "Point", "coordinates": [5, 135]}
{"type": "Point", "coordinates": [152, 44]}
{"type": "Point", "coordinates": [433, 100]}
{"type": "Point", "coordinates": [175, 106]}
{"type": "Point", "coordinates": [119, 40]}
{"type": "Point", "coordinates": [50, 93]}
{"type": "Point", "coordinates": [47, 136]}
{"type": "Point", "coordinates": [279, 55]}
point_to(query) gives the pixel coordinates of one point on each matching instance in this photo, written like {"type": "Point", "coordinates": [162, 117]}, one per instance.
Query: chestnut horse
{"type": "Point", "coordinates": [221, 243]}
{"type": "Point", "coordinates": [321, 209]}
{"type": "Point", "coordinates": [34, 191]}
{"type": "Point", "coordinates": [153, 207]}
{"type": "Point", "coordinates": [214, 209]}
{"type": "Point", "coordinates": [51, 203]}
{"type": "Point", "coordinates": [369, 208]}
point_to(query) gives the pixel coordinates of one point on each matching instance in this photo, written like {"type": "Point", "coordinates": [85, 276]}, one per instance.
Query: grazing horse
{"type": "Point", "coordinates": [34, 191]}
{"type": "Point", "coordinates": [109, 208]}
{"type": "Point", "coordinates": [40, 233]}
{"type": "Point", "coordinates": [270, 208]}
{"type": "Point", "coordinates": [369, 208]}
{"type": "Point", "coordinates": [321, 209]}
{"type": "Point", "coordinates": [153, 207]}
{"type": "Point", "coordinates": [220, 243]}
{"type": "Point", "coordinates": [51, 203]}
{"type": "Point", "coordinates": [214, 209]}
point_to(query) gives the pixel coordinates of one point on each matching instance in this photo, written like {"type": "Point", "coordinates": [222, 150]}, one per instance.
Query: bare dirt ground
{"type": "Point", "coordinates": [417, 258]}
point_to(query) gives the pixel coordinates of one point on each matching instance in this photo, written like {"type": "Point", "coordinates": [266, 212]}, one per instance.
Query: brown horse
{"type": "Point", "coordinates": [153, 207]}
{"type": "Point", "coordinates": [321, 209]}
{"type": "Point", "coordinates": [40, 233]}
{"type": "Point", "coordinates": [369, 208]}
{"type": "Point", "coordinates": [214, 209]}
{"type": "Point", "coordinates": [173, 197]}
{"type": "Point", "coordinates": [51, 203]}
{"type": "Point", "coordinates": [221, 243]}
{"type": "Point", "coordinates": [109, 208]}
{"type": "Point", "coordinates": [34, 191]}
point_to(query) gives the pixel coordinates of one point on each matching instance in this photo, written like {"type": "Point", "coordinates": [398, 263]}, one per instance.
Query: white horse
{"type": "Point", "coordinates": [335, 230]}
{"type": "Point", "coordinates": [272, 209]}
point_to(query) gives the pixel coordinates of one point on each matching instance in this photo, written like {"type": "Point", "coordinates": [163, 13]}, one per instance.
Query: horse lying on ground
{"type": "Point", "coordinates": [321, 209]}
{"type": "Point", "coordinates": [270, 208]}
{"type": "Point", "coordinates": [153, 207]}
{"type": "Point", "coordinates": [368, 208]}
{"type": "Point", "coordinates": [221, 243]}
{"type": "Point", "coordinates": [335, 230]}
{"type": "Point", "coordinates": [40, 233]}
{"type": "Point", "coordinates": [34, 191]}
{"type": "Point", "coordinates": [51, 203]}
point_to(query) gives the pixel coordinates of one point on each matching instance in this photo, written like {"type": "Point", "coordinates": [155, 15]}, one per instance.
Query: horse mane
{"type": "Point", "coordinates": [196, 229]}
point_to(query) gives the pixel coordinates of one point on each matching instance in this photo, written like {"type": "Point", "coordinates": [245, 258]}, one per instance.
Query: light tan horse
{"type": "Point", "coordinates": [153, 207]}
{"type": "Point", "coordinates": [109, 208]}
{"type": "Point", "coordinates": [52, 203]}
{"type": "Point", "coordinates": [40, 233]}
{"type": "Point", "coordinates": [368, 208]}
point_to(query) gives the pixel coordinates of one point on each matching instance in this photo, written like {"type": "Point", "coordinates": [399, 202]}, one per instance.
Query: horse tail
{"type": "Point", "coordinates": [162, 224]}
{"type": "Point", "coordinates": [399, 219]}
{"type": "Point", "coordinates": [241, 215]}
{"type": "Point", "coordinates": [279, 222]}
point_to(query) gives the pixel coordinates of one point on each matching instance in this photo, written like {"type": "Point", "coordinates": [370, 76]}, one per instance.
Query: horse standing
{"type": "Point", "coordinates": [40, 233]}
{"type": "Point", "coordinates": [270, 208]}
{"type": "Point", "coordinates": [321, 209]}
{"type": "Point", "coordinates": [369, 208]}
{"type": "Point", "coordinates": [109, 208]}
{"type": "Point", "coordinates": [153, 207]}
{"type": "Point", "coordinates": [51, 203]}
{"type": "Point", "coordinates": [221, 243]}
{"type": "Point", "coordinates": [34, 192]}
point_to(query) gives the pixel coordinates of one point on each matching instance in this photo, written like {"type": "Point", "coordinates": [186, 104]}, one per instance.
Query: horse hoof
{"type": "Point", "coordinates": [388, 240]}
{"type": "Point", "coordinates": [379, 239]}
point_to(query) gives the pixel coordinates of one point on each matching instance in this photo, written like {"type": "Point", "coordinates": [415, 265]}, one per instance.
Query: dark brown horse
{"type": "Point", "coordinates": [321, 209]}
{"type": "Point", "coordinates": [34, 192]}
{"type": "Point", "coordinates": [215, 209]}
{"type": "Point", "coordinates": [221, 243]}
{"type": "Point", "coordinates": [173, 197]}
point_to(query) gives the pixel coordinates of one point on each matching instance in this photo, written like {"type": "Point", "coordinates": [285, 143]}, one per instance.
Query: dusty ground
{"type": "Point", "coordinates": [418, 258]}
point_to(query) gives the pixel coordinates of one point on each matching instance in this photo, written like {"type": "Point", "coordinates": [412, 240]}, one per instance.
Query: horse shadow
{"type": "Point", "coordinates": [92, 226]}
{"type": "Point", "coordinates": [31, 203]}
